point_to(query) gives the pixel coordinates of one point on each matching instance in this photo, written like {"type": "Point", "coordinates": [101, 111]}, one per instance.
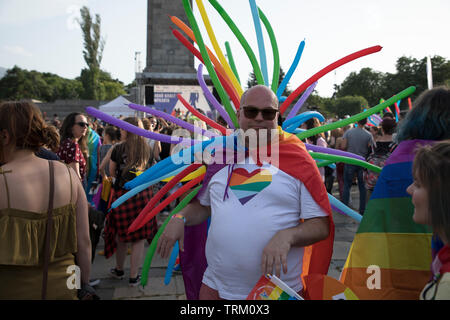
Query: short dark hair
{"type": "Point", "coordinates": [388, 125]}
{"type": "Point", "coordinates": [362, 122]}
{"type": "Point", "coordinates": [429, 119]}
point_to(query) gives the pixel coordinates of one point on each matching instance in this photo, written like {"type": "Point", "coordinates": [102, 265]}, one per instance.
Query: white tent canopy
{"type": "Point", "coordinates": [118, 107]}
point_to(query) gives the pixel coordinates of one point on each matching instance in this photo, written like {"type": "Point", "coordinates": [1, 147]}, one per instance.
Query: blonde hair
{"type": "Point", "coordinates": [136, 148]}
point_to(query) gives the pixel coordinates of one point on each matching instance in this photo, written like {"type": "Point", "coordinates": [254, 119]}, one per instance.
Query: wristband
{"type": "Point", "coordinates": [179, 216]}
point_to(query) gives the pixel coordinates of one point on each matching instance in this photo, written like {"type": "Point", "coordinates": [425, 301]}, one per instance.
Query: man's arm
{"type": "Point", "coordinates": [307, 233]}
{"type": "Point", "coordinates": [194, 213]}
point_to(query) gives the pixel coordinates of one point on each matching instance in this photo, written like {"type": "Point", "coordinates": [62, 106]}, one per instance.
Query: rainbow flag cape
{"type": "Point", "coordinates": [323, 287]}
{"type": "Point", "coordinates": [272, 288]}
{"type": "Point", "coordinates": [388, 237]}
{"type": "Point", "coordinates": [294, 160]}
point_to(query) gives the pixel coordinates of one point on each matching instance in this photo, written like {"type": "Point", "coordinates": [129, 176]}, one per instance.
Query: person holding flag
{"type": "Point", "coordinates": [267, 216]}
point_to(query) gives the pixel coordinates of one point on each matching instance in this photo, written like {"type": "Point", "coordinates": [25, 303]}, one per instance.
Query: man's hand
{"type": "Point", "coordinates": [174, 232]}
{"type": "Point", "coordinates": [275, 253]}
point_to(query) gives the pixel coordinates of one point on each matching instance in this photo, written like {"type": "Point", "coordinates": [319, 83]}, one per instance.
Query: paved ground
{"type": "Point", "coordinates": [109, 288]}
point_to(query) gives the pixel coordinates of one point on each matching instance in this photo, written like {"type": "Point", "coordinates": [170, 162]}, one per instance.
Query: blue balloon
{"type": "Point", "coordinates": [342, 208]}
{"type": "Point", "coordinates": [296, 121]}
{"type": "Point", "coordinates": [171, 264]}
{"type": "Point", "coordinates": [144, 186]}
{"type": "Point", "coordinates": [291, 69]}
{"type": "Point", "coordinates": [259, 36]}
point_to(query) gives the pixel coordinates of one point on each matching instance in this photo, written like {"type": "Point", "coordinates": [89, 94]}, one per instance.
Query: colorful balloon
{"type": "Point", "coordinates": [149, 215]}
{"type": "Point", "coordinates": [342, 208]}
{"type": "Point", "coordinates": [201, 116]}
{"type": "Point", "coordinates": [171, 264]}
{"type": "Point", "coordinates": [177, 121]}
{"type": "Point", "coordinates": [136, 130]}
{"type": "Point", "coordinates": [220, 72]}
{"type": "Point", "coordinates": [301, 101]}
{"type": "Point", "coordinates": [260, 39]}
{"type": "Point", "coordinates": [242, 41]}
{"type": "Point", "coordinates": [289, 74]}
{"type": "Point", "coordinates": [211, 97]}
{"type": "Point", "coordinates": [275, 53]}
{"type": "Point", "coordinates": [324, 71]}
{"type": "Point", "coordinates": [144, 186]}
{"type": "Point", "coordinates": [353, 161]}
{"type": "Point", "coordinates": [301, 118]}
{"type": "Point", "coordinates": [208, 64]}
{"type": "Point", "coordinates": [158, 196]}
{"type": "Point", "coordinates": [338, 124]}
{"type": "Point", "coordinates": [151, 250]}
{"type": "Point", "coordinates": [231, 61]}
{"type": "Point", "coordinates": [216, 47]}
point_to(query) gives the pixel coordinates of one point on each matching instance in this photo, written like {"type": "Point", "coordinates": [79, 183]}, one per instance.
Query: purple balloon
{"type": "Point", "coordinates": [335, 152]}
{"type": "Point", "coordinates": [211, 97]}
{"type": "Point", "coordinates": [301, 101]}
{"type": "Point", "coordinates": [173, 119]}
{"type": "Point", "coordinates": [136, 130]}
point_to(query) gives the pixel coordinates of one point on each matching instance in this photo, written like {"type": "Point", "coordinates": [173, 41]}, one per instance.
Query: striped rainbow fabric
{"type": "Point", "coordinates": [389, 238]}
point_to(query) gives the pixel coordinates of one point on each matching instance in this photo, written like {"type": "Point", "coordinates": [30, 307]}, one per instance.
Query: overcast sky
{"type": "Point", "coordinates": [42, 35]}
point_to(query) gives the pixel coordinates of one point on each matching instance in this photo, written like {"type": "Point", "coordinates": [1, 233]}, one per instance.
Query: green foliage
{"type": "Point", "coordinates": [374, 85]}
{"type": "Point", "coordinates": [348, 105]}
{"type": "Point", "coordinates": [93, 52]}
{"type": "Point", "coordinates": [20, 84]}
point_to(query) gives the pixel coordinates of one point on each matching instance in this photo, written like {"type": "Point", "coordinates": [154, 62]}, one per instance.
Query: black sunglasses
{"type": "Point", "coordinates": [252, 113]}
{"type": "Point", "coordinates": [83, 124]}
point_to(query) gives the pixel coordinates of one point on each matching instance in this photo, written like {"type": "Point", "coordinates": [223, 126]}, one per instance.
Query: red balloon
{"type": "Point", "coordinates": [324, 71]}
{"type": "Point", "coordinates": [162, 192]}
{"type": "Point", "coordinates": [146, 217]}
{"type": "Point", "coordinates": [226, 84]}
{"type": "Point", "coordinates": [195, 112]}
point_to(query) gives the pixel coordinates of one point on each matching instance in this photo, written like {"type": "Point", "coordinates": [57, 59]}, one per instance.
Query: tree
{"type": "Point", "coordinates": [366, 83]}
{"type": "Point", "coordinates": [20, 84]}
{"type": "Point", "coordinates": [348, 105]}
{"type": "Point", "coordinates": [93, 52]}
{"type": "Point", "coordinates": [251, 82]}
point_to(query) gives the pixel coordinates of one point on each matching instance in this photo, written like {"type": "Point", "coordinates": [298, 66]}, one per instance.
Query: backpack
{"type": "Point", "coordinates": [377, 159]}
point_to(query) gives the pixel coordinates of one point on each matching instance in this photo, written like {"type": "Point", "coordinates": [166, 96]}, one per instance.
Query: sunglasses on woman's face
{"type": "Point", "coordinates": [83, 124]}
{"type": "Point", "coordinates": [252, 113]}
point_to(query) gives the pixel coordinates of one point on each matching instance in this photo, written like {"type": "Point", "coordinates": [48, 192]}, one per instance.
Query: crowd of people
{"type": "Point", "coordinates": [52, 216]}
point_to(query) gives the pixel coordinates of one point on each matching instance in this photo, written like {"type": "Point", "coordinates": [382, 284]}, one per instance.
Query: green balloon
{"type": "Point", "coordinates": [231, 61]}
{"type": "Point", "coordinates": [242, 41]}
{"type": "Point", "coordinates": [151, 250]}
{"type": "Point", "coordinates": [276, 55]}
{"type": "Point", "coordinates": [325, 163]}
{"type": "Point", "coordinates": [334, 158]}
{"type": "Point", "coordinates": [209, 66]}
{"type": "Point", "coordinates": [359, 116]}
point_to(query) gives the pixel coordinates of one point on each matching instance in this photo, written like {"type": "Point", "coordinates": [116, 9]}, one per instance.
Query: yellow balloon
{"type": "Point", "coordinates": [190, 176]}
{"type": "Point", "coordinates": [216, 47]}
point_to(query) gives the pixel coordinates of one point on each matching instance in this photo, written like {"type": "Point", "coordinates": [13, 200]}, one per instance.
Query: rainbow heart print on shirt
{"type": "Point", "coordinates": [246, 185]}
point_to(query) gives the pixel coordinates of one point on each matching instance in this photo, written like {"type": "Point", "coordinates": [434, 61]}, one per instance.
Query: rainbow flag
{"type": "Point", "coordinates": [270, 287]}
{"type": "Point", "coordinates": [389, 239]}
{"type": "Point", "coordinates": [323, 287]}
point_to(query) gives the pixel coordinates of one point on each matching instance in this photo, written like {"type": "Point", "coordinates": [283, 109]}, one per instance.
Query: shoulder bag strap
{"type": "Point", "coordinates": [49, 231]}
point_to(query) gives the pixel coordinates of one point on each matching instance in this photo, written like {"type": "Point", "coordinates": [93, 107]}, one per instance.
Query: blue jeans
{"type": "Point", "coordinates": [349, 173]}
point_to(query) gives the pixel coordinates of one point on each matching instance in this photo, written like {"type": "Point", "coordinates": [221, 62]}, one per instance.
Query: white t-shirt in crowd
{"type": "Point", "coordinates": [261, 201]}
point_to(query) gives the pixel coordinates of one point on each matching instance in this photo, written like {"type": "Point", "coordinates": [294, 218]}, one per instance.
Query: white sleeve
{"type": "Point", "coordinates": [308, 207]}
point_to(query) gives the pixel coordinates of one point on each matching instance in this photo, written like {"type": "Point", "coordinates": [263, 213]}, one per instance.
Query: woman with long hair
{"type": "Point", "coordinates": [43, 212]}
{"type": "Point", "coordinates": [73, 149]}
{"type": "Point", "coordinates": [429, 195]}
{"type": "Point", "coordinates": [128, 158]}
